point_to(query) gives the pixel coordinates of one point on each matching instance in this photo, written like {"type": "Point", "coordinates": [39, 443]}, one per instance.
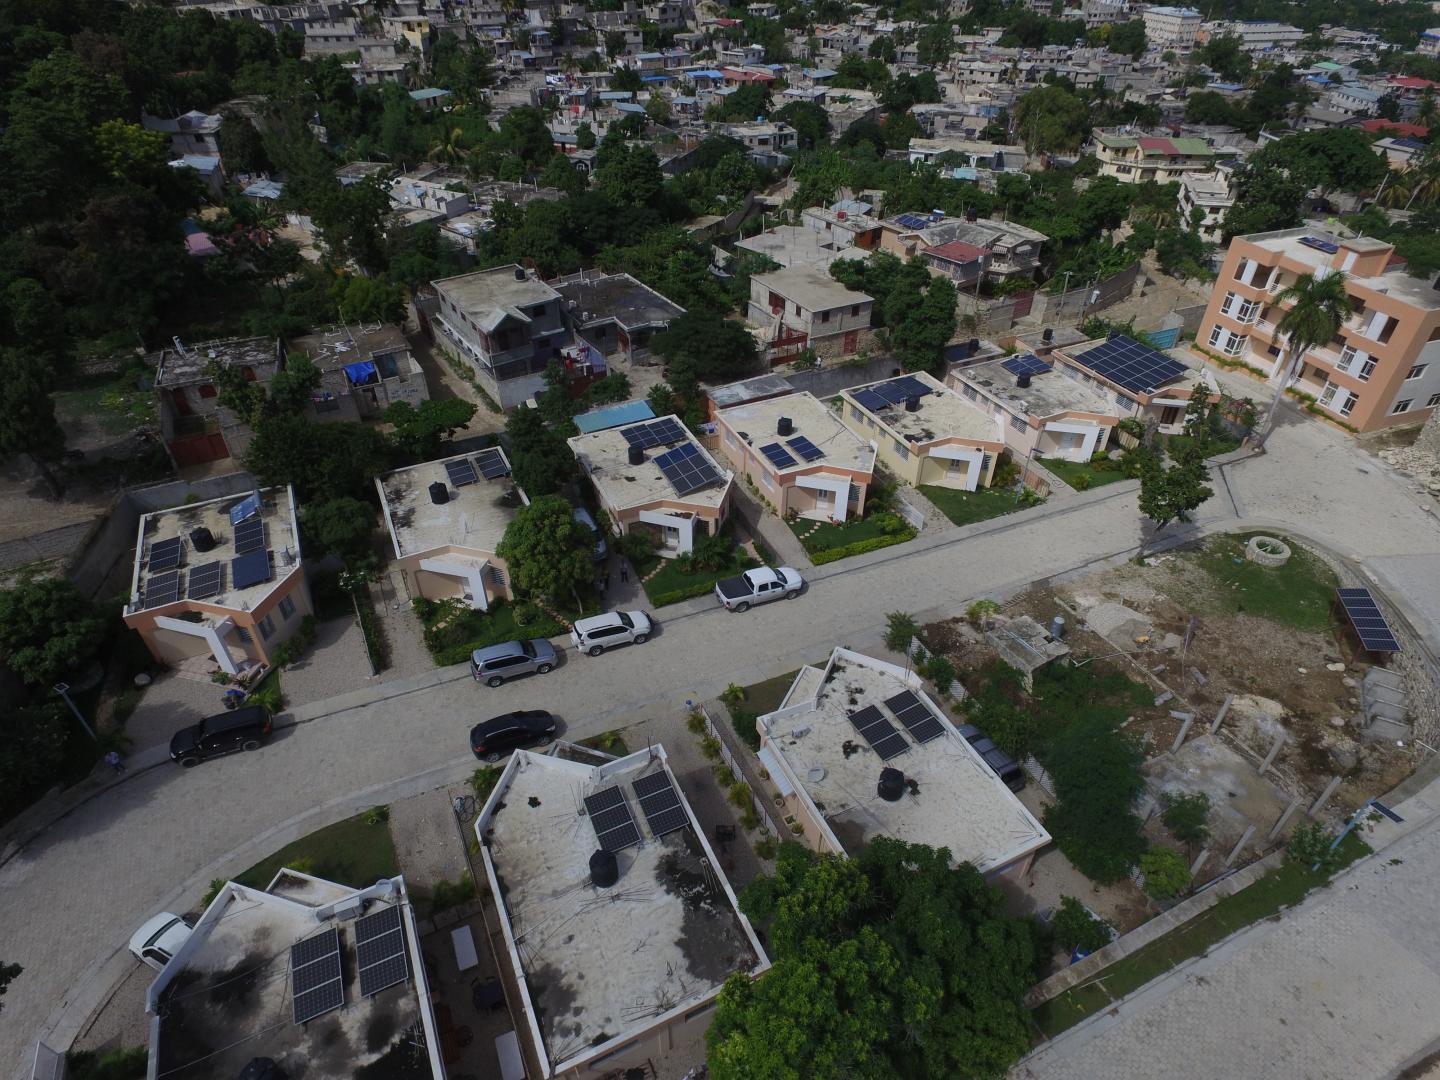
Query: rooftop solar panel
{"type": "Point", "coordinates": [659, 433]}
{"type": "Point", "coordinates": [652, 784]}
{"type": "Point", "coordinates": [387, 973]}
{"type": "Point", "coordinates": [375, 949]}
{"type": "Point", "coordinates": [1129, 364]}
{"type": "Point", "coordinates": [687, 469]}
{"type": "Point", "coordinates": [250, 569]}
{"type": "Point", "coordinates": [491, 463]}
{"type": "Point", "coordinates": [247, 507]}
{"type": "Point", "coordinates": [1029, 364]}
{"type": "Point", "coordinates": [1368, 620]}
{"type": "Point", "coordinates": [660, 803]}
{"type": "Point", "coordinates": [869, 399]}
{"type": "Point", "coordinates": [249, 536]}
{"type": "Point", "coordinates": [460, 472]}
{"type": "Point", "coordinates": [778, 456]}
{"type": "Point", "coordinates": [205, 581]}
{"type": "Point", "coordinates": [671, 819]}
{"type": "Point", "coordinates": [382, 922]}
{"type": "Point", "coordinates": [319, 1001]}
{"type": "Point", "coordinates": [897, 390]}
{"type": "Point", "coordinates": [313, 948]}
{"type": "Point", "coordinates": [1320, 244]}
{"type": "Point", "coordinates": [913, 221]}
{"type": "Point", "coordinates": [602, 800]}
{"type": "Point", "coordinates": [627, 835]}
{"type": "Point", "coordinates": [162, 589]}
{"type": "Point", "coordinates": [879, 732]}
{"type": "Point", "coordinates": [805, 448]}
{"type": "Point", "coordinates": [322, 971]}
{"type": "Point", "coordinates": [164, 555]}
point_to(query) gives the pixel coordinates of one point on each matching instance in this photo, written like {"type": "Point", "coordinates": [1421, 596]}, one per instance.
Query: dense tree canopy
{"type": "Point", "coordinates": [48, 630]}
{"type": "Point", "coordinates": [549, 554]}
{"type": "Point", "coordinates": [895, 963]}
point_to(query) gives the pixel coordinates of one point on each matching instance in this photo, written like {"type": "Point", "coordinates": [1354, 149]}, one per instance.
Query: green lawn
{"type": "Point", "coordinates": [673, 584]}
{"type": "Point", "coordinates": [825, 542]}
{"type": "Point", "coordinates": [1281, 888]}
{"type": "Point", "coordinates": [608, 742]}
{"type": "Point", "coordinates": [1298, 594]}
{"type": "Point", "coordinates": [968, 507]}
{"type": "Point", "coordinates": [1175, 445]}
{"type": "Point", "coordinates": [473, 629]}
{"type": "Point", "coordinates": [1069, 470]}
{"type": "Point", "coordinates": [764, 697]}
{"type": "Point", "coordinates": [350, 852]}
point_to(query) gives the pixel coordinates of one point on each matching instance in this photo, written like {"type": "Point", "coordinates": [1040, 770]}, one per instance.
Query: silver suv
{"type": "Point", "coordinates": [494, 664]}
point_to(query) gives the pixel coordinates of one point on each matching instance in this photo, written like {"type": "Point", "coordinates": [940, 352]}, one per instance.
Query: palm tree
{"type": "Point", "coordinates": [1424, 178]}
{"type": "Point", "coordinates": [1317, 306]}
{"type": "Point", "coordinates": [449, 147]}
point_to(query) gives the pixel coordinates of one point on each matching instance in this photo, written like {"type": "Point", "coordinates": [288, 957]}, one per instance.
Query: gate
{"type": "Point", "coordinates": [1022, 302]}
{"type": "Point", "coordinates": [198, 449]}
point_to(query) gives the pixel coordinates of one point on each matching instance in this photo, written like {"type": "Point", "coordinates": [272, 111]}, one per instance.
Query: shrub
{"type": "Point", "coordinates": [295, 646]}
{"type": "Point", "coordinates": [888, 523]}
{"type": "Point", "coordinates": [740, 796]}
{"type": "Point", "coordinates": [526, 613]}
{"type": "Point", "coordinates": [377, 815]}
{"type": "Point", "coordinates": [710, 747]}
{"type": "Point", "coordinates": [981, 610]}
{"type": "Point", "coordinates": [732, 694]}
{"type": "Point", "coordinates": [1132, 426]}
{"type": "Point", "coordinates": [940, 671]}
{"type": "Point", "coordinates": [860, 547]}
{"type": "Point", "coordinates": [216, 884]}
{"type": "Point", "coordinates": [743, 721]}
{"type": "Point", "coordinates": [1076, 928]}
{"type": "Point", "coordinates": [1097, 775]}
{"type": "Point", "coordinates": [1031, 497]}
{"type": "Point", "coordinates": [1006, 473]}
{"type": "Point", "coordinates": [129, 1063]}
{"type": "Point", "coordinates": [1167, 874]}
{"type": "Point", "coordinates": [483, 781]}
{"type": "Point", "coordinates": [766, 847]}
{"type": "Point", "coordinates": [451, 894]}
{"type": "Point", "coordinates": [750, 820]}
{"type": "Point", "coordinates": [685, 592]}
{"type": "Point", "coordinates": [267, 694]}
{"type": "Point", "coordinates": [1185, 816]}
{"type": "Point", "coordinates": [696, 723]}
{"type": "Point", "coordinates": [1310, 844]}
{"type": "Point", "coordinates": [1081, 481]}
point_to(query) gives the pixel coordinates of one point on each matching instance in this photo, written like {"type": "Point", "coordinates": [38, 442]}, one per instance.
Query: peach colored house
{"type": "Point", "coordinates": [1145, 383]}
{"type": "Point", "coordinates": [445, 519]}
{"type": "Point", "coordinates": [656, 477]}
{"type": "Point", "coordinates": [1049, 413]}
{"type": "Point", "coordinates": [798, 456]}
{"type": "Point", "coordinates": [1381, 369]}
{"type": "Point", "coordinates": [217, 585]}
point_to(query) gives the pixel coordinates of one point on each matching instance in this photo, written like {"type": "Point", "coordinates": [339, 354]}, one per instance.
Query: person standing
{"type": "Point", "coordinates": [113, 760]}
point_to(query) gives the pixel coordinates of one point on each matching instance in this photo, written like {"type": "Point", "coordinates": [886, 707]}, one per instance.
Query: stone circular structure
{"type": "Point", "coordinates": [1267, 551]}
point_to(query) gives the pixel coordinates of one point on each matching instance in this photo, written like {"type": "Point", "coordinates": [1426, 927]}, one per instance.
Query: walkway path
{"type": "Point", "coordinates": [74, 894]}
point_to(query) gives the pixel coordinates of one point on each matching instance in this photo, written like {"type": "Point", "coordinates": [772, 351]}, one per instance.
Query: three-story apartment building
{"type": "Point", "coordinates": [1381, 369]}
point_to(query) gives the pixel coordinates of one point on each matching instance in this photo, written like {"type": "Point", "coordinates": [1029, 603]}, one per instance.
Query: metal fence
{"type": "Point", "coordinates": [761, 809]}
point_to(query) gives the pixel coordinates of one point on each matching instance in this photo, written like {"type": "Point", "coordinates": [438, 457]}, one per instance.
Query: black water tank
{"type": "Point", "coordinates": [202, 539]}
{"type": "Point", "coordinates": [1022, 381]}
{"type": "Point", "coordinates": [971, 214]}
{"type": "Point", "coordinates": [637, 455]}
{"type": "Point", "coordinates": [1048, 336]}
{"type": "Point", "coordinates": [784, 426]}
{"type": "Point", "coordinates": [1112, 335]}
{"type": "Point", "coordinates": [891, 785]}
{"type": "Point", "coordinates": [912, 403]}
{"type": "Point", "coordinates": [439, 494]}
{"type": "Point", "coordinates": [973, 345]}
{"type": "Point", "coordinates": [519, 273]}
{"type": "Point", "coordinates": [604, 870]}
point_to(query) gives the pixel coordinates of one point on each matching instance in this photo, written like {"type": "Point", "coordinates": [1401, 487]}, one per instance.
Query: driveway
{"type": "Point", "coordinates": [153, 841]}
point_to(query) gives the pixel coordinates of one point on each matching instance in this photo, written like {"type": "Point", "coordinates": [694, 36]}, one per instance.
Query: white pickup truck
{"type": "Point", "coordinates": [758, 586]}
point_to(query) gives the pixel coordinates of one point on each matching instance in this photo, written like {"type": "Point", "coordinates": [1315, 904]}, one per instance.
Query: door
{"type": "Point", "coordinates": [1170, 415]}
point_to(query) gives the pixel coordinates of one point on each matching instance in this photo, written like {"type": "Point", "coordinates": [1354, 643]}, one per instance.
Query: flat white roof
{"type": "Point", "coordinates": [605, 457]}
{"type": "Point", "coordinates": [474, 515]}
{"type": "Point", "coordinates": [1050, 393]}
{"type": "Point", "coordinates": [811, 288]}
{"type": "Point", "coordinates": [841, 446]}
{"type": "Point", "coordinates": [943, 414]}
{"type": "Point", "coordinates": [960, 804]}
{"type": "Point", "coordinates": [603, 964]}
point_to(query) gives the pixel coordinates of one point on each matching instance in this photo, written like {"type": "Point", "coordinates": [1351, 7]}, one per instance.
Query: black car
{"type": "Point", "coordinates": [225, 733]}
{"type": "Point", "coordinates": [495, 738]}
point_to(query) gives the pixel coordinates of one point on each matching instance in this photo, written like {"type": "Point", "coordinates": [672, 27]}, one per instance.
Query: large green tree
{"type": "Point", "coordinates": [548, 552]}
{"type": "Point", "coordinates": [895, 963]}
{"type": "Point", "coordinates": [48, 630]}
{"type": "Point", "coordinates": [540, 460]}
{"type": "Point", "coordinates": [27, 413]}
{"type": "Point", "coordinates": [322, 461]}
{"type": "Point", "coordinates": [419, 431]}
{"type": "Point", "coordinates": [1052, 119]}
{"type": "Point", "coordinates": [343, 527]}
{"type": "Point", "coordinates": [1315, 307]}
{"type": "Point", "coordinates": [721, 349]}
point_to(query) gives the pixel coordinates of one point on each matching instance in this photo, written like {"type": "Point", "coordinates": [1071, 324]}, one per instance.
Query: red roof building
{"type": "Point", "coordinates": [1397, 128]}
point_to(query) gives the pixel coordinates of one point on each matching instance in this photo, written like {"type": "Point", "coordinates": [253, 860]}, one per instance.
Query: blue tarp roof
{"type": "Point", "coordinates": [656, 78]}
{"type": "Point", "coordinates": [361, 372]}
{"type": "Point", "coordinates": [429, 93]}
{"type": "Point", "coordinates": [707, 73]}
{"type": "Point", "coordinates": [627, 412]}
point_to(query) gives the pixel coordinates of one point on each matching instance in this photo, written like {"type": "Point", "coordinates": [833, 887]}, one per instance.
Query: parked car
{"type": "Point", "coordinates": [1001, 763]}
{"type": "Point", "coordinates": [246, 728]}
{"type": "Point", "coordinates": [160, 939]}
{"type": "Point", "coordinates": [582, 517]}
{"type": "Point", "coordinates": [599, 632]}
{"type": "Point", "coordinates": [494, 664]}
{"type": "Point", "coordinates": [495, 738]}
{"type": "Point", "coordinates": [759, 586]}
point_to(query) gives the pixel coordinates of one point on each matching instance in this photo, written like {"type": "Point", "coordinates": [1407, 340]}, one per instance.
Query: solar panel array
{"type": "Point", "coordinates": [660, 433]}
{"type": "Point", "coordinates": [247, 507]}
{"type": "Point", "coordinates": [205, 581]}
{"type": "Point", "coordinates": [922, 724]}
{"type": "Point", "coordinates": [460, 472]}
{"type": "Point", "coordinates": [491, 463]}
{"type": "Point", "coordinates": [380, 951]}
{"type": "Point", "coordinates": [778, 456]}
{"type": "Point", "coordinates": [1127, 363]}
{"type": "Point", "coordinates": [316, 982]}
{"type": "Point", "coordinates": [687, 469]}
{"type": "Point", "coordinates": [805, 448]}
{"type": "Point", "coordinates": [660, 803]}
{"type": "Point", "coordinates": [162, 589]}
{"type": "Point", "coordinates": [249, 536]}
{"type": "Point", "coordinates": [250, 569]}
{"type": "Point", "coordinates": [879, 732]}
{"type": "Point", "coordinates": [1369, 621]}
{"type": "Point", "coordinates": [1319, 244]}
{"type": "Point", "coordinates": [1029, 364]}
{"type": "Point", "coordinates": [164, 555]}
{"type": "Point", "coordinates": [885, 394]}
{"type": "Point", "coordinates": [610, 817]}
{"type": "Point", "coordinates": [913, 221]}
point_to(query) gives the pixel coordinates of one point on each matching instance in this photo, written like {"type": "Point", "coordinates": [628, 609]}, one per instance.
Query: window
{"type": "Point", "coordinates": [855, 413]}
{"type": "Point", "coordinates": [970, 392]}
{"type": "Point", "coordinates": [956, 467]}
{"type": "Point", "coordinates": [797, 309]}
{"type": "Point", "coordinates": [1349, 403]}
{"type": "Point", "coordinates": [1126, 403]}
{"type": "Point", "coordinates": [267, 627]}
{"type": "Point", "coordinates": [1416, 371]}
{"type": "Point", "coordinates": [854, 311]}
{"type": "Point", "coordinates": [1432, 401]}
{"type": "Point", "coordinates": [902, 451]}
{"type": "Point", "coordinates": [243, 635]}
{"type": "Point", "coordinates": [207, 390]}
{"type": "Point", "coordinates": [1366, 370]}
{"type": "Point", "coordinates": [287, 608]}
{"type": "Point", "coordinates": [824, 316]}
{"type": "Point", "coordinates": [1018, 423]}
{"type": "Point", "coordinates": [1403, 405]}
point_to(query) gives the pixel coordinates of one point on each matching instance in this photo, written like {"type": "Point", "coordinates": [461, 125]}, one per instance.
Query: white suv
{"type": "Point", "coordinates": [597, 633]}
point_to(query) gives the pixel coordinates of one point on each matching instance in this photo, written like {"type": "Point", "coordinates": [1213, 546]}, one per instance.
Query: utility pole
{"type": "Point", "coordinates": [63, 689]}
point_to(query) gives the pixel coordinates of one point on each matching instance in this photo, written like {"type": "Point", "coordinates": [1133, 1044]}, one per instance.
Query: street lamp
{"type": "Point", "coordinates": [63, 689]}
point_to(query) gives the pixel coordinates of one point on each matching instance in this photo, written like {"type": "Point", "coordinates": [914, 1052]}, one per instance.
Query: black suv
{"type": "Point", "coordinates": [244, 729]}
{"type": "Point", "coordinates": [512, 731]}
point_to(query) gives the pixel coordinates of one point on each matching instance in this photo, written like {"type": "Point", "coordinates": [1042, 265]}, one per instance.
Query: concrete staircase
{"type": "Point", "coordinates": [1383, 698]}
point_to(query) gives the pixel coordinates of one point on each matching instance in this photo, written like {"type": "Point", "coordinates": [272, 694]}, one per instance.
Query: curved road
{"type": "Point", "coordinates": [73, 895]}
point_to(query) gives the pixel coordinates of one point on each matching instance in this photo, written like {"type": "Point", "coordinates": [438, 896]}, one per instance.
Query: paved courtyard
{"type": "Point", "coordinates": [74, 893]}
